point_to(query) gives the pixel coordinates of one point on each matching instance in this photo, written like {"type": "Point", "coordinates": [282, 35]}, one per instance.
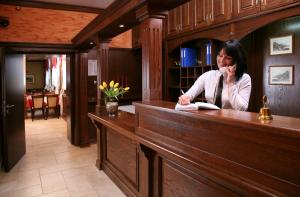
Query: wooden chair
{"type": "Point", "coordinates": [37, 104]}
{"type": "Point", "coordinates": [52, 103]}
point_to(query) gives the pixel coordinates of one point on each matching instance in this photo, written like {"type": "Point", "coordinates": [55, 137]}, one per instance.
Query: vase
{"type": "Point", "coordinates": [111, 107]}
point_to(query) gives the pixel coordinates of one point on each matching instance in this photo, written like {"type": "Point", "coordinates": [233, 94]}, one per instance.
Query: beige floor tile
{"type": "Point", "coordinates": [28, 178]}
{"type": "Point", "coordinates": [7, 187]}
{"type": "Point", "coordinates": [8, 177]}
{"type": "Point", "coordinates": [79, 186]}
{"type": "Point", "coordinates": [27, 192]}
{"type": "Point", "coordinates": [52, 182]}
{"type": "Point", "coordinates": [52, 167]}
{"type": "Point", "coordinates": [62, 193]}
{"type": "Point", "coordinates": [106, 188]}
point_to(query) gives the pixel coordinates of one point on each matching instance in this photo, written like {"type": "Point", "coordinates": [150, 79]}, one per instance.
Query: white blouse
{"type": "Point", "coordinates": [234, 97]}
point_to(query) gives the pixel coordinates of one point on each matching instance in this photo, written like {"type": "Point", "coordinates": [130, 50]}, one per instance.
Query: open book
{"type": "Point", "coordinates": [196, 106]}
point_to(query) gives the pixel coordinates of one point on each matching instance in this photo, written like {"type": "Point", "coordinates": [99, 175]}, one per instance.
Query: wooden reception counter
{"type": "Point", "coordinates": [163, 152]}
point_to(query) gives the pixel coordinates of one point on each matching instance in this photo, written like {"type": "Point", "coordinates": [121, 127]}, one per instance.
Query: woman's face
{"type": "Point", "coordinates": [223, 60]}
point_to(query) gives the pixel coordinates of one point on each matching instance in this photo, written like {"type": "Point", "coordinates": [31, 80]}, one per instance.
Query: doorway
{"type": "Point", "coordinates": [10, 143]}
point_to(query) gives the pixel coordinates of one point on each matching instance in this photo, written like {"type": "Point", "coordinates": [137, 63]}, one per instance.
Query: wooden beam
{"type": "Point", "coordinates": [121, 12]}
{"type": "Point", "coordinates": [114, 12]}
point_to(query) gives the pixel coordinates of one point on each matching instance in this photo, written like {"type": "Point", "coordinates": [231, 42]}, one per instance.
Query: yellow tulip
{"type": "Point", "coordinates": [127, 88]}
{"type": "Point", "coordinates": [116, 89]}
{"type": "Point", "coordinates": [104, 84]}
{"type": "Point", "coordinates": [101, 87]}
{"type": "Point", "coordinates": [111, 84]}
{"type": "Point", "coordinates": [116, 85]}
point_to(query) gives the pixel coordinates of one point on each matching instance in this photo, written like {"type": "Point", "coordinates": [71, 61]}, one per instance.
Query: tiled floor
{"type": "Point", "coordinates": [52, 167]}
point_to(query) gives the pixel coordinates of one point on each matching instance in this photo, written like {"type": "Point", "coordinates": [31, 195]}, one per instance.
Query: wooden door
{"type": "Point", "coordinates": [201, 15]}
{"type": "Point", "coordinates": [270, 4]}
{"type": "Point", "coordinates": [187, 17]}
{"type": "Point", "coordinates": [173, 21]}
{"type": "Point", "coordinates": [12, 104]}
{"type": "Point", "coordinates": [221, 11]}
{"type": "Point", "coordinates": [69, 99]}
{"type": "Point", "coordinates": [245, 7]}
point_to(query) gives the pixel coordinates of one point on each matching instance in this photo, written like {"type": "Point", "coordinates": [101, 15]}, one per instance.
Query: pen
{"type": "Point", "coordinates": [182, 92]}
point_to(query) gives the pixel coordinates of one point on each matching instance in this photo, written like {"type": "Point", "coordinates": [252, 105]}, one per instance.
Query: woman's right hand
{"type": "Point", "coordinates": [184, 100]}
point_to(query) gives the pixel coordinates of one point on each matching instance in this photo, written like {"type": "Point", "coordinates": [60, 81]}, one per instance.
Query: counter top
{"type": "Point", "coordinates": [288, 124]}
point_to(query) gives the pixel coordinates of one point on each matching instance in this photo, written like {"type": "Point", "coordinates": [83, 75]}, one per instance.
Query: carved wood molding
{"type": "Point", "coordinates": [146, 11]}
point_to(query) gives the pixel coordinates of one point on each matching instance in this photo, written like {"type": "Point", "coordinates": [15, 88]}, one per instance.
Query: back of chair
{"type": "Point", "coordinates": [37, 101]}
{"type": "Point", "coordinates": [52, 100]}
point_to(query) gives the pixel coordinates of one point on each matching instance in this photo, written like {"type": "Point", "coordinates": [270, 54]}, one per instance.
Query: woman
{"type": "Point", "coordinates": [229, 87]}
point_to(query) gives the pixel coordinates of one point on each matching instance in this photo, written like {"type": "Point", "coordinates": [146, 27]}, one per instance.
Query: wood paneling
{"type": "Point", "coordinates": [117, 149]}
{"type": "Point", "coordinates": [283, 99]}
{"type": "Point", "coordinates": [152, 58]}
{"type": "Point", "coordinates": [180, 182]}
{"type": "Point", "coordinates": [127, 73]}
{"type": "Point", "coordinates": [123, 40]}
{"type": "Point", "coordinates": [199, 153]}
{"type": "Point", "coordinates": [37, 25]}
{"type": "Point", "coordinates": [122, 153]}
{"type": "Point", "coordinates": [81, 100]}
{"type": "Point", "coordinates": [233, 149]}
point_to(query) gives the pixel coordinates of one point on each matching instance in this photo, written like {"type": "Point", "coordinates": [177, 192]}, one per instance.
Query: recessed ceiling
{"type": "Point", "coordinates": [86, 3]}
{"type": "Point", "coordinates": [36, 25]}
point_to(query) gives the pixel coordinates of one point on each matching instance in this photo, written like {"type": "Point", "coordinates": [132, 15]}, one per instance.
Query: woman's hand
{"type": "Point", "coordinates": [230, 74]}
{"type": "Point", "coordinates": [184, 100]}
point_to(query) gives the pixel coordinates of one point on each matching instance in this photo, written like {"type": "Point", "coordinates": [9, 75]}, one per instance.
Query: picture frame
{"type": "Point", "coordinates": [281, 75]}
{"type": "Point", "coordinates": [281, 45]}
{"type": "Point", "coordinates": [29, 78]}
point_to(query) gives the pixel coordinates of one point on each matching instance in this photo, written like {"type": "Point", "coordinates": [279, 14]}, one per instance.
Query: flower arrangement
{"type": "Point", "coordinates": [113, 90]}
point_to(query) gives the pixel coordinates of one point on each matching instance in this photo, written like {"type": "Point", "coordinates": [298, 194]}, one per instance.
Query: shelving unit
{"type": "Point", "coordinates": [182, 78]}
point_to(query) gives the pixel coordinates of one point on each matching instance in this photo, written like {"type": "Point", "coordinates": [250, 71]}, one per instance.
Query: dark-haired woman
{"type": "Point", "coordinates": [229, 87]}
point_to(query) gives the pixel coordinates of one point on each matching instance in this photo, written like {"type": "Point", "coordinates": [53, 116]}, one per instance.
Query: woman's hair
{"type": "Point", "coordinates": [234, 49]}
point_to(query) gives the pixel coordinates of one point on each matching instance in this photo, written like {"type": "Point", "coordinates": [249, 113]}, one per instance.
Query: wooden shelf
{"type": "Point", "coordinates": [186, 76]}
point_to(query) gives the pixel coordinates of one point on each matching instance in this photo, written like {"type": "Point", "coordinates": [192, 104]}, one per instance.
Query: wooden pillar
{"type": "Point", "coordinates": [81, 137]}
{"type": "Point", "coordinates": [103, 68]}
{"type": "Point", "coordinates": [151, 39]}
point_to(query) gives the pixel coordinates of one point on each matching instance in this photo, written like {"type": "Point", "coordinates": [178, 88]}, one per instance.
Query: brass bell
{"type": "Point", "coordinates": [264, 112]}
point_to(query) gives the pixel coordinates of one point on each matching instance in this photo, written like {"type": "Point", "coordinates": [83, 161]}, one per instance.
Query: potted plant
{"type": "Point", "coordinates": [112, 92]}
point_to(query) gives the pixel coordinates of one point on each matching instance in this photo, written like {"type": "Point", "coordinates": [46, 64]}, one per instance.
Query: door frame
{"type": "Point", "coordinates": [31, 48]}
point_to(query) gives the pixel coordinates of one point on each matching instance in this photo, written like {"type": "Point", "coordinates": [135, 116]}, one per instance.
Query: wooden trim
{"type": "Point", "coordinates": [54, 6]}
{"type": "Point", "coordinates": [17, 47]}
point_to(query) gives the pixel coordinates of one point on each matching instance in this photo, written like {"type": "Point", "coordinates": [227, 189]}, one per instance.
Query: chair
{"type": "Point", "coordinates": [37, 104]}
{"type": "Point", "coordinates": [52, 103]}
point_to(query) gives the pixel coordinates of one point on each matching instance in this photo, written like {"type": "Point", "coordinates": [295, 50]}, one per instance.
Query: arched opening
{"type": "Point", "coordinates": [263, 66]}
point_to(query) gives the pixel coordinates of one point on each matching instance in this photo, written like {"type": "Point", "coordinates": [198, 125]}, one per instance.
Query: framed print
{"type": "Point", "coordinates": [29, 79]}
{"type": "Point", "coordinates": [281, 75]}
{"type": "Point", "coordinates": [281, 45]}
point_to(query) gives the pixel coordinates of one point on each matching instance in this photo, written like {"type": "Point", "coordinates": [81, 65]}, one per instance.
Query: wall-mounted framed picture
{"type": "Point", "coordinates": [281, 45]}
{"type": "Point", "coordinates": [29, 79]}
{"type": "Point", "coordinates": [281, 75]}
